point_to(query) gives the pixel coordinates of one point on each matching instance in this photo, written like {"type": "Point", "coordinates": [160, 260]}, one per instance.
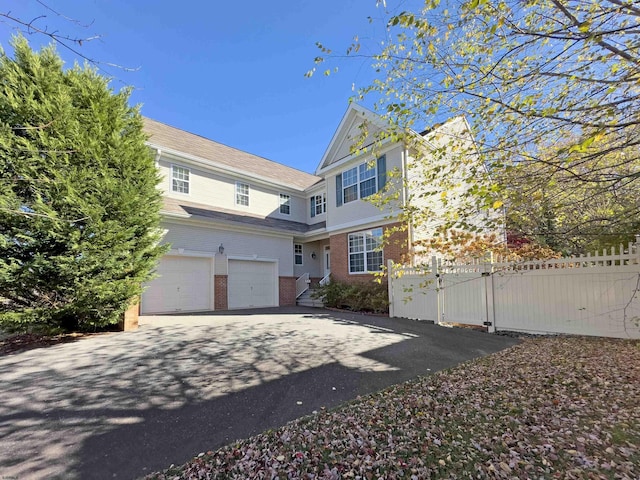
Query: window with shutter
{"type": "Point", "coordinates": [361, 181]}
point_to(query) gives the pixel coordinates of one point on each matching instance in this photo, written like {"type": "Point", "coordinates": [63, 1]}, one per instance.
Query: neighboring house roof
{"type": "Point", "coordinates": [181, 141]}
{"type": "Point", "coordinates": [199, 211]}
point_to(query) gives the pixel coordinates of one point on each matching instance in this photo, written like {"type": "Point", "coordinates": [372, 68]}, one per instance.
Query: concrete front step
{"type": "Point", "coordinates": [305, 300]}
{"type": "Point", "coordinates": [310, 303]}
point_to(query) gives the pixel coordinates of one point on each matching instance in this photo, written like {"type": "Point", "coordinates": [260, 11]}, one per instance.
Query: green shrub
{"type": "Point", "coordinates": [358, 297]}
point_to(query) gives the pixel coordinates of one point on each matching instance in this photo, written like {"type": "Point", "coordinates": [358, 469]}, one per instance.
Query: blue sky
{"type": "Point", "coordinates": [230, 71]}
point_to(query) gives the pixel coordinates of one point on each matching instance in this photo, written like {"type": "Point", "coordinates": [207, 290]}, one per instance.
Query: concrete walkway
{"type": "Point", "coordinates": [121, 405]}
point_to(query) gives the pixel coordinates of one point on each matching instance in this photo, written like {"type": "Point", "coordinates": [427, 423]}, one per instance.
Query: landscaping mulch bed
{"type": "Point", "coordinates": [552, 407]}
{"type": "Point", "coordinates": [28, 341]}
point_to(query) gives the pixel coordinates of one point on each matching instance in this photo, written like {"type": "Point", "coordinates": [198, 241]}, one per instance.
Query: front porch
{"type": "Point", "coordinates": [305, 291]}
{"type": "Point", "coordinates": [312, 267]}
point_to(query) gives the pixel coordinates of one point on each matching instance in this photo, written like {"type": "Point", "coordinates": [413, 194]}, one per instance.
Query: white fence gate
{"type": "Point", "coordinates": [589, 295]}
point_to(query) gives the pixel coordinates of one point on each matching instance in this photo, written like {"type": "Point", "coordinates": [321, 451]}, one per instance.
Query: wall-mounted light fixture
{"type": "Point", "coordinates": [221, 249]}
{"type": "Point", "coordinates": [313, 255]}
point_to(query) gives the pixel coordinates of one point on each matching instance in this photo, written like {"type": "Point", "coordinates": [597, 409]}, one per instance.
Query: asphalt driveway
{"type": "Point", "coordinates": [121, 405]}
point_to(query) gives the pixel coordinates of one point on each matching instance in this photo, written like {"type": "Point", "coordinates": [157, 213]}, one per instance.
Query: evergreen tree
{"type": "Point", "coordinates": [79, 207]}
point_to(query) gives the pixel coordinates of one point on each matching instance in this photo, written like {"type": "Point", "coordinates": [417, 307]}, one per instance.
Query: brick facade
{"type": "Point", "coordinates": [129, 320]}
{"type": "Point", "coordinates": [220, 302]}
{"type": "Point", "coordinates": [395, 249]}
{"type": "Point", "coordinates": [287, 291]}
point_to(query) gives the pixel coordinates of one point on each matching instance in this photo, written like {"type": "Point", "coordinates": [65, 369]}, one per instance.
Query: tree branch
{"type": "Point", "coordinates": [600, 42]}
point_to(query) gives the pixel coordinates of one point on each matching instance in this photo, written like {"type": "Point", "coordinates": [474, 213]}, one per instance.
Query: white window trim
{"type": "Point", "coordinates": [187, 182]}
{"type": "Point", "coordinates": [323, 203]}
{"type": "Point", "coordinates": [315, 201]}
{"type": "Point", "coordinates": [364, 240]}
{"type": "Point", "coordinates": [295, 254]}
{"type": "Point", "coordinates": [237, 193]}
{"type": "Point", "coordinates": [374, 167]}
{"type": "Point", "coordinates": [287, 203]}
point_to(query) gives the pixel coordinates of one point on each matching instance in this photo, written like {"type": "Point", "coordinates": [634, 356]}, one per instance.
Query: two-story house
{"type": "Point", "coordinates": [245, 230]}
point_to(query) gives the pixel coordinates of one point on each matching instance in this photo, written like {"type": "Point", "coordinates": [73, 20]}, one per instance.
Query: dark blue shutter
{"type": "Point", "coordinates": [313, 206]}
{"type": "Point", "coordinates": [338, 190]}
{"type": "Point", "coordinates": [382, 171]}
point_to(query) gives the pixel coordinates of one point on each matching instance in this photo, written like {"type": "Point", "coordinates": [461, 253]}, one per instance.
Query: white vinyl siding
{"type": "Point", "coordinates": [219, 191]}
{"type": "Point", "coordinates": [361, 212]}
{"type": "Point", "coordinates": [179, 179]}
{"type": "Point", "coordinates": [365, 252]}
{"type": "Point", "coordinates": [201, 239]}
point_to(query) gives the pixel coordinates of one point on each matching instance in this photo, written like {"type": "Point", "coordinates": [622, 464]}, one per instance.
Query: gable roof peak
{"type": "Point", "coordinates": [350, 128]}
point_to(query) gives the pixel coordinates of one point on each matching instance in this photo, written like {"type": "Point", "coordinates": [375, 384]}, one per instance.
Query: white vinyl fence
{"type": "Point", "coordinates": [589, 295]}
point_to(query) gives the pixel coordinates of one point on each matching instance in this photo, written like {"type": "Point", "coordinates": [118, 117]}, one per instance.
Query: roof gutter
{"type": "Point", "coordinates": [240, 173]}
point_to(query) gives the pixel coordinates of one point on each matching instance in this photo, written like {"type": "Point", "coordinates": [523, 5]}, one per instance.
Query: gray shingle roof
{"type": "Point", "coordinates": [169, 137]}
{"type": "Point", "coordinates": [207, 212]}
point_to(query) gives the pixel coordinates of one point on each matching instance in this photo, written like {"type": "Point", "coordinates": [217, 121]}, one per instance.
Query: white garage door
{"type": "Point", "coordinates": [252, 284]}
{"type": "Point", "coordinates": [183, 285]}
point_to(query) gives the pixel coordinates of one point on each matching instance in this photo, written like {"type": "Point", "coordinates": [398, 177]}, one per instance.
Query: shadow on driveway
{"type": "Point", "coordinates": [126, 404]}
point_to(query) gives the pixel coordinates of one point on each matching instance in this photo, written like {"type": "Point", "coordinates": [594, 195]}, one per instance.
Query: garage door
{"type": "Point", "coordinates": [252, 284]}
{"type": "Point", "coordinates": [183, 285]}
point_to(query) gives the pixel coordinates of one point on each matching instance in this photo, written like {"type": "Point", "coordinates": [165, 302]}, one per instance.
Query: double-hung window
{"type": "Point", "coordinates": [179, 179]}
{"type": "Point", "coordinates": [242, 194]}
{"type": "Point", "coordinates": [350, 185]}
{"type": "Point", "coordinates": [365, 251]}
{"type": "Point", "coordinates": [361, 181]}
{"type": "Point", "coordinates": [321, 204]}
{"type": "Point", "coordinates": [367, 179]}
{"type": "Point", "coordinates": [297, 253]}
{"type": "Point", "coordinates": [318, 204]}
{"type": "Point", "coordinates": [285, 204]}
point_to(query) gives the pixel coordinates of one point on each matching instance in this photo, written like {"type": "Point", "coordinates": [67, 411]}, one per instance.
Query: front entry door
{"type": "Point", "coordinates": [327, 260]}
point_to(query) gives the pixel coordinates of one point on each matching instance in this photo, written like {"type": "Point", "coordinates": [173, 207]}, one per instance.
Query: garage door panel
{"type": "Point", "coordinates": [252, 284]}
{"type": "Point", "coordinates": [183, 285]}
{"type": "Point", "coordinates": [154, 298]}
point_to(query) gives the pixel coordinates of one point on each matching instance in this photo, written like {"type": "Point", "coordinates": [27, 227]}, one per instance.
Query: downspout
{"type": "Point", "coordinates": [157, 157]}
{"type": "Point", "coordinates": [405, 195]}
